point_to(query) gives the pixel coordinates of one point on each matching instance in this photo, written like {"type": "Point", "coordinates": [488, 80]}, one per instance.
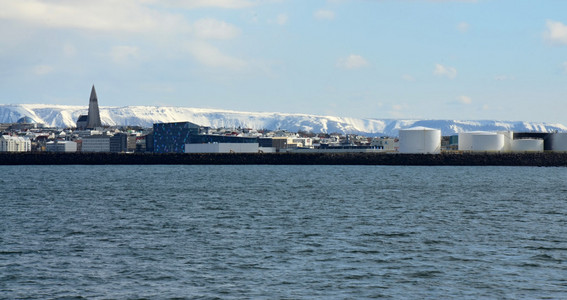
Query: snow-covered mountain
{"type": "Point", "coordinates": [65, 116]}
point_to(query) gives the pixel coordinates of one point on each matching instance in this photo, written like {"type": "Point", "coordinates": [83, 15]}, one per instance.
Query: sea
{"type": "Point", "coordinates": [282, 232]}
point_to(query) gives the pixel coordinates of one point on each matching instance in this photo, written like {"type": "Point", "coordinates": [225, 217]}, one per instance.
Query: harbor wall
{"type": "Point", "coordinates": [443, 159]}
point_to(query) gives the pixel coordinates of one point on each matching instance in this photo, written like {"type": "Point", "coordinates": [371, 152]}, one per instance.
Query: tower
{"type": "Point", "coordinates": [93, 118]}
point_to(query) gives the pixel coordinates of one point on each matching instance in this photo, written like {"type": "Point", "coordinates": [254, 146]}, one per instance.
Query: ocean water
{"type": "Point", "coordinates": [282, 232]}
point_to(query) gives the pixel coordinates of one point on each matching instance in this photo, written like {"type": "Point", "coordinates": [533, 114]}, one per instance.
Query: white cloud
{"type": "Point", "coordinates": [42, 70]}
{"type": "Point", "coordinates": [214, 29]}
{"type": "Point", "coordinates": [104, 15]}
{"type": "Point", "coordinates": [556, 32]}
{"type": "Point", "coordinates": [282, 19]}
{"type": "Point", "coordinates": [465, 100]}
{"type": "Point", "coordinates": [408, 77]}
{"type": "Point", "coordinates": [324, 15]}
{"type": "Point", "coordinates": [353, 61]}
{"type": "Point", "coordinates": [471, 1]}
{"type": "Point", "coordinates": [211, 56]}
{"type": "Point", "coordinates": [463, 27]}
{"type": "Point", "coordinates": [441, 70]}
{"type": "Point", "coordinates": [190, 4]}
{"type": "Point", "coordinates": [124, 54]}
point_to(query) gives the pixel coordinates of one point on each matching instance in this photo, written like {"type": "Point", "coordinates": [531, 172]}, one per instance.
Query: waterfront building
{"type": "Point", "coordinates": [119, 142]}
{"type": "Point", "coordinates": [96, 143]}
{"type": "Point", "coordinates": [61, 146]}
{"type": "Point", "coordinates": [220, 139]}
{"type": "Point", "coordinates": [384, 143]}
{"type": "Point", "coordinates": [172, 137]}
{"type": "Point", "coordinates": [14, 144]}
{"type": "Point", "coordinates": [224, 148]}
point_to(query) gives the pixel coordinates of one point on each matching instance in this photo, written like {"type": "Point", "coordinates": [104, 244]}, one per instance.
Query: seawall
{"type": "Point", "coordinates": [544, 159]}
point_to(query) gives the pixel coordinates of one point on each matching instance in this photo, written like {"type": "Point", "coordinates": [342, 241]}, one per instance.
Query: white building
{"type": "Point", "coordinates": [14, 144]}
{"type": "Point", "coordinates": [384, 143]}
{"type": "Point", "coordinates": [302, 142]}
{"type": "Point", "coordinates": [96, 143]}
{"type": "Point", "coordinates": [227, 148]}
{"type": "Point", "coordinates": [61, 146]}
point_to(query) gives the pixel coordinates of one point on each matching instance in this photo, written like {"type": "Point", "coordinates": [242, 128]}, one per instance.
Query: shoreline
{"type": "Point", "coordinates": [540, 159]}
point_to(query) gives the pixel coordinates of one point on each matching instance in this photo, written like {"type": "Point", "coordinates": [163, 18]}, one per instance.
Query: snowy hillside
{"type": "Point", "coordinates": [66, 116]}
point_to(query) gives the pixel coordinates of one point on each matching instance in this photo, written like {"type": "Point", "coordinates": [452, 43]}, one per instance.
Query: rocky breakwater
{"type": "Point", "coordinates": [445, 159]}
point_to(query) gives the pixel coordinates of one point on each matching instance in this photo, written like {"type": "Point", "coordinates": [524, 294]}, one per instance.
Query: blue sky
{"type": "Point", "coordinates": [432, 59]}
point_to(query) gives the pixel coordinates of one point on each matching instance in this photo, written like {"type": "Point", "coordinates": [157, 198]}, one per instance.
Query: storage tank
{"type": "Point", "coordinates": [508, 140]}
{"type": "Point", "coordinates": [531, 145]}
{"type": "Point", "coordinates": [489, 141]}
{"type": "Point", "coordinates": [559, 141]}
{"type": "Point", "coordinates": [465, 140]}
{"type": "Point", "coordinates": [420, 140]}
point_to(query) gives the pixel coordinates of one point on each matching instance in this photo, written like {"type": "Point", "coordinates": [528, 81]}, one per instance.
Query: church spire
{"type": "Point", "coordinates": [93, 119]}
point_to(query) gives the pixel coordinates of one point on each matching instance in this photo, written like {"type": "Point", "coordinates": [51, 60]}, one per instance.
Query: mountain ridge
{"type": "Point", "coordinates": [64, 116]}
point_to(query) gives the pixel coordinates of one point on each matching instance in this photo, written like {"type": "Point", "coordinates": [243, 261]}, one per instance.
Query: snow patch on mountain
{"type": "Point", "coordinates": [63, 116]}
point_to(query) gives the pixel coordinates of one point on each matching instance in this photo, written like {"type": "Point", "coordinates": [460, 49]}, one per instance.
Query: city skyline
{"type": "Point", "coordinates": [464, 60]}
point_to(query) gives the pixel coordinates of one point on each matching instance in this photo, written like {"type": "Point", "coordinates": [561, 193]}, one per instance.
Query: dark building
{"type": "Point", "coordinates": [172, 137]}
{"type": "Point", "coordinates": [150, 142]}
{"type": "Point", "coordinates": [82, 122]}
{"type": "Point", "coordinates": [209, 139]}
{"type": "Point", "coordinates": [119, 142]}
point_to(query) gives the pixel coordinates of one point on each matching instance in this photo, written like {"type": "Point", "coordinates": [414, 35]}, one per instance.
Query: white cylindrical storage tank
{"type": "Point", "coordinates": [465, 139]}
{"type": "Point", "coordinates": [487, 142]}
{"type": "Point", "coordinates": [508, 140]}
{"type": "Point", "coordinates": [559, 141]}
{"type": "Point", "coordinates": [420, 140]}
{"type": "Point", "coordinates": [531, 145]}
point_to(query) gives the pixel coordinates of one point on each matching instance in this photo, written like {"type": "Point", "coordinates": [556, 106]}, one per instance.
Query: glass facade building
{"type": "Point", "coordinates": [172, 137]}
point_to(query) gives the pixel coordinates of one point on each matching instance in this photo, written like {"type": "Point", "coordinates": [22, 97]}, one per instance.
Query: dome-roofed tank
{"type": "Point", "coordinates": [420, 140]}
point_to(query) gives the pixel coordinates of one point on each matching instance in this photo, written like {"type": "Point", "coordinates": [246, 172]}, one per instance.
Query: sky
{"type": "Point", "coordinates": [401, 59]}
